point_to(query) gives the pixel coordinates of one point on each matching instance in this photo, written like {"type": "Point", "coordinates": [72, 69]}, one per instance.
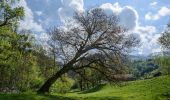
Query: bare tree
{"type": "Point", "coordinates": [94, 37]}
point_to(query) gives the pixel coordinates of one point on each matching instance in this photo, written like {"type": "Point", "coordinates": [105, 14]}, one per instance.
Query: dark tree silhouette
{"type": "Point", "coordinates": [164, 40]}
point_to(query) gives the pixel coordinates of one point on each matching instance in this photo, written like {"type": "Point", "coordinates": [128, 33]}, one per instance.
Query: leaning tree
{"type": "Point", "coordinates": [93, 37]}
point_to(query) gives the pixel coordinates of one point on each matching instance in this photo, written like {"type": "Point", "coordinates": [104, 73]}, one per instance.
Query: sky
{"type": "Point", "coordinates": [145, 18]}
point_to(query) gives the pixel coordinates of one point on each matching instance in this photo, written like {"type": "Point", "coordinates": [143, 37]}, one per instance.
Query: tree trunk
{"type": "Point", "coordinates": [81, 84]}
{"type": "Point", "coordinates": [87, 85]}
{"type": "Point", "coordinates": [46, 86]}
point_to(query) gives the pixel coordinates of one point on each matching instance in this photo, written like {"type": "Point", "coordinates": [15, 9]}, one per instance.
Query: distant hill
{"type": "Point", "coordinates": [150, 56]}
{"type": "Point", "coordinates": [138, 57]}
{"type": "Point", "coordinates": [165, 53]}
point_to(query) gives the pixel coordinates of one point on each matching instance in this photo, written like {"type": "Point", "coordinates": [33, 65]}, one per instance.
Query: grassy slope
{"type": "Point", "coordinates": [152, 89]}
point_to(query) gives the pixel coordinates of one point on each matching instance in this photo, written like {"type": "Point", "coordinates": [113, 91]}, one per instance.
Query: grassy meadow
{"type": "Point", "coordinates": [150, 89]}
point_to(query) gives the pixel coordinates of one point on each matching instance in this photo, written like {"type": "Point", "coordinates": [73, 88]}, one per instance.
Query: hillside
{"type": "Point", "coordinates": [151, 89]}
{"type": "Point", "coordinates": [156, 88]}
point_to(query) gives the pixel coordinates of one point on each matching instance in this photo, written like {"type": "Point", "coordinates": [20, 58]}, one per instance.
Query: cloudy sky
{"type": "Point", "coordinates": [146, 18]}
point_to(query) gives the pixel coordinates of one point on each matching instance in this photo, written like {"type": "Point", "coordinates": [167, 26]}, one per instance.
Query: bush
{"type": "Point", "coordinates": [164, 63]}
{"type": "Point", "coordinates": [62, 85]}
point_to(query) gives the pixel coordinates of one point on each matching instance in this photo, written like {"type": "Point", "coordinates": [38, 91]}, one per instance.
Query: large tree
{"type": "Point", "coordinates": [93, 37]}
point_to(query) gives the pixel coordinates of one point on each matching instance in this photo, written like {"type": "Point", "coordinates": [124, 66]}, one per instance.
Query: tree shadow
{"type": "Point", "coordinates": [53, 97]}
{"type": "Point", "coordinates": [32, 97]}
{"type": "Point", "coordinates": [166, 95]}
{"type": "Point", "coordinates": [95, 89]}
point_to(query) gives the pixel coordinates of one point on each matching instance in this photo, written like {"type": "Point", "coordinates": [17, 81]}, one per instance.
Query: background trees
{"type": "Point", "coordinates": [10, 16]}
{"type": "Point", "coordinates": [164, 60]}
{"type": "Point", "coordinates": [19, 70]}
{"type": "Point", "coordinates": [9, 54]}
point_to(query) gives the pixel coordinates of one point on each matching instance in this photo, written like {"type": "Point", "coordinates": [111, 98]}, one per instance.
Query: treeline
{"type": "Point", "coordinates": [24, 64]}
{"type": "Point", "coordinates": [155, 64]}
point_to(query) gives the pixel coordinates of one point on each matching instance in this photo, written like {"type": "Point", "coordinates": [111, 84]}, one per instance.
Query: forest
{"type": "Point", "coordinates": [88, 58]}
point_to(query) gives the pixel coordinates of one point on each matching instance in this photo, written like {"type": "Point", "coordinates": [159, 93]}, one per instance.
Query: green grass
{"type": "Point", "coordinates": [32, 96]}
{"type": "Point", "coordinates": [151, 89]}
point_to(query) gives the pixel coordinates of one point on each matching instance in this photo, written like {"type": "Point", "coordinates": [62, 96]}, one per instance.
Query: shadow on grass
{"type": "Point", "coordinates": [99, 98]}
{"type": "Point", "coordinates": [32, 97]}
{"type": "Point", "coordinates": [95, 89]}
{"type": "Point", "coordinates": [50, 97]}
{"type": "Point", "coordinates": [166, 95]}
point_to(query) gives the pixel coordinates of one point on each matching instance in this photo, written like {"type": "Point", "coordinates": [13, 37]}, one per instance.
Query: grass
{"type": "Point", "coordinates": [32, 96]}
{"type": "Point", "coordinates": [151, 89]}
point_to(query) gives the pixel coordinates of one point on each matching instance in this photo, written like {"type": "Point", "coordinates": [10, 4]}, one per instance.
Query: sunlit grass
{"type": "Point", "coordinates": [157, 88]}
{"type": "Point", "coordinates": [151, 89]}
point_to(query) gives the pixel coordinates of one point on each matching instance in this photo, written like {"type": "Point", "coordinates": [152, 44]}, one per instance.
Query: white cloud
{"type": "Point", "coordinates": [131, 19]}
{"type": "Point", "coordinates": [69, 7]}
{"type": "Point", "coordinates": [153, 3]}
{"type": "Point", "coordinates": [110, 9]}
{"type": "Point", "coordinates": [128, 18]}
{"type": "Point", "coordinates": [148, 16]}
{"type": "Point", "coordinates": [39, 13]}
{"type": "Point", "coordinates": [149, 39]}
{"type": "Point", "coordinates": [164, 11]}
{"type": "Point", "coordinates": [28, 22]}
{"type": "Point", "coordinates": [43, 37]}
{"type": "Point", "coordinates": [150, 45]}
{"type": "Point", "coordinates": [145, 29]}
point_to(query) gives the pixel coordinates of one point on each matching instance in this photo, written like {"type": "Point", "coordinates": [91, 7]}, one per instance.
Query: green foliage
{"type": "Point", "coordinates": [89, 78]}
{"type": "Point", "coordinates": [10, 16]}
{"type": "Point", "coordinates": [18, 66]}
{"type": "Point", "coordinates": [164, 63]}
{"type": "Point", "coordinates": [62, 85]}
{"type": "Point", "coordinates": [45, 62]}
{"type": "Point", "coordinates": [142, 68]}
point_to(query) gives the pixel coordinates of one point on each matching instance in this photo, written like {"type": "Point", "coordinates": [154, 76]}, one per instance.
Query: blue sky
{"type": "Point", "coordinates": [146, 18]}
